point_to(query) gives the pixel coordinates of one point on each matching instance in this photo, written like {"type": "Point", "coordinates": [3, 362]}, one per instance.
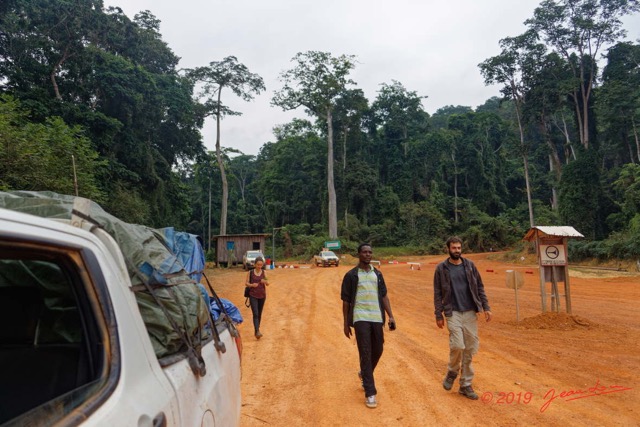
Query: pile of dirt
{"type": "Point", "coordinates": [555, 321]}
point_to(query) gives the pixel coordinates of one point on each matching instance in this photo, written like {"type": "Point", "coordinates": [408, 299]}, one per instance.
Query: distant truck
{"type": "Point", "coordinates": [249, 259]}
{"type": "Point", "coordinates": [102, 325]}
{"type": "Point", "coordinates": [326, 259]}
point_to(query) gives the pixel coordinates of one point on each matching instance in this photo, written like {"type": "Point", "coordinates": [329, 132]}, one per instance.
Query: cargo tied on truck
{"type": "Point", "coordinates": [106, 323]}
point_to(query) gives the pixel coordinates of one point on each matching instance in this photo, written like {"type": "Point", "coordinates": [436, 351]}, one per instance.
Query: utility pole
{"type": "Point", "coordinates": [273, 246]}
{"type": "Point", "coordinates": [75, 177]}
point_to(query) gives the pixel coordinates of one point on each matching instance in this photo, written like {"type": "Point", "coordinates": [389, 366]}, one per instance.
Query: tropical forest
{"type": "Point", "coordinates": [95, 104]}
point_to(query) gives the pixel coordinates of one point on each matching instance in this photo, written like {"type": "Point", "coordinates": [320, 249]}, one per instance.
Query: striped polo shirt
{"type": "Point", "coordinates": [367, 306]}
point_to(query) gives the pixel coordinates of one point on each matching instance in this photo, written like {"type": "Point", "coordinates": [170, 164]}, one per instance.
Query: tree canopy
{"type": "Point", "coordinates": [94, 103]}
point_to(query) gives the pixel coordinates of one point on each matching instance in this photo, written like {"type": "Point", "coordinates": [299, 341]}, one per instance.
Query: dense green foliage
{"type": "Point", "coordinates": [561, 147]}
{"type": "Point", "coordinates": [117, 80]}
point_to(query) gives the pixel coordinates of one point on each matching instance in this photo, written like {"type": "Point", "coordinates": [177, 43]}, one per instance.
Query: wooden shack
{"type": "Point", "coordinates": [231, 247]}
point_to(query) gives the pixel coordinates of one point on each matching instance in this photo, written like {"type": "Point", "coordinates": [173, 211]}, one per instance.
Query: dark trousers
{"type": "Point", "coordinates": [370, 340]}
{"type": "Point", "coordinates": [257, 304]}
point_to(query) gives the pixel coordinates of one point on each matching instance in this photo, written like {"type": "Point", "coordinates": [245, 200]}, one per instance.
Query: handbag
{"type": "Point", "coordinates": [246, 292]}
{"type": "Point", "coordinates": [246, 288]}
{"type": "Point", "coordinates": [247, 303]}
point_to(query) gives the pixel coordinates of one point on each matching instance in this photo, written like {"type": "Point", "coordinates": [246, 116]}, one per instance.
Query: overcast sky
{"type": "Point", "coordinates": [432, 47]}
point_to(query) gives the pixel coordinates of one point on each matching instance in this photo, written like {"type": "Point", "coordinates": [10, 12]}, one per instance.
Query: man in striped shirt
{"type": "Point", "coordinates": [364, 303]}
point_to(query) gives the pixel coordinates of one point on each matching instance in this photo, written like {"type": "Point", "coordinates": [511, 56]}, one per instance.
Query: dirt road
{"type": "Point", "coordinates": [546, 370]}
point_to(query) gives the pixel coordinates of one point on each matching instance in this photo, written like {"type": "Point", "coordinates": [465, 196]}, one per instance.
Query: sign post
{"type": "Point", "coordinates": [515, 281]}
{"type": "Point", "coordinates": [332, 244]}
{"type": "Point", "coordinates": [551, 244]}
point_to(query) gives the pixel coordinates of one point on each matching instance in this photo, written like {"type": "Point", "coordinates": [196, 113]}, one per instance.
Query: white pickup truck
{"type": "Point", "coordinates": [78, 345]}
{"type": "Point", "coordinates": [249, 259]}
{"type": "Point", "coordinates": [326, 258]}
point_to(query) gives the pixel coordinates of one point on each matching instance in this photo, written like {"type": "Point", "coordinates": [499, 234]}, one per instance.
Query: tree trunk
{"type": "Point", "coordinates": [585, 88]}
{"type": "Point", "coordinates": [569, 151]}
{"type": "Point", "coordinates": [333, 213]}
{"type": "Point", "coordinates": [555, 165]}
{"type": "Point", "coordinates": [635, 135]}
{"type": "Point", "coordinates": [554, 192]}
{"type": "Point", "coordinates": [455, 187]}
{"type": "Point", "coordinates": [56, 90]}
{"type": "Point", "coordinates": [55, 85]}
{"type": "Point", "coordinates": [554, 158]}
{"type": "Point", "coordinates": [580, 126]}
{"type": "Point", "coordinates": [344, 149]}
{"type": "Point", "coordinates": [405, 143]}
{"type": "Point", "coordinates": [209, 222]}
{"type": "Point", "coordinates": [223, 175]}
{"type": "Point", "coordinates": [585, 121]}
{"type": "Point", "coordinates": [526, 162]}
{"type": "Point", "coordinates": [526, 180]}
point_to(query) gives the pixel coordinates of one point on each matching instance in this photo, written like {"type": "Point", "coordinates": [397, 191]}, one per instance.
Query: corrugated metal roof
{"type": "Point", "coordinates": [551, 231]}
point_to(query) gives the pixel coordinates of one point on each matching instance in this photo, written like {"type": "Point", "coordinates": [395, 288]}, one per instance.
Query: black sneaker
{"type": "Point", "coordinates": [468, 392]}
{"type": "Point", "coordinates": [449, 379]}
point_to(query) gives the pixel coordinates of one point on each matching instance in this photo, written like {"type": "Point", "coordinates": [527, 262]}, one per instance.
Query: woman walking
{"type": "Point", "coordinates": [257, 282]}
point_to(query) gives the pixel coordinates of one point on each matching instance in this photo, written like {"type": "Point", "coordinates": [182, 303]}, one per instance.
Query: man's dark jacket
{"type": "Point", "coordinates": [442, 288]}
{"type": "Point", "coordinates": [350, 286]}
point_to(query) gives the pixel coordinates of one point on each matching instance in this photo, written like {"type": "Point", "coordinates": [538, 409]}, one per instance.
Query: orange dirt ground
{"type": "Point", "coordinates": [550, 369]}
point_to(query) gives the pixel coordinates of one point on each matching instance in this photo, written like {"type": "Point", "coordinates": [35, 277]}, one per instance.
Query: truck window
{"type": "Point", "coordinates": [52, 343]}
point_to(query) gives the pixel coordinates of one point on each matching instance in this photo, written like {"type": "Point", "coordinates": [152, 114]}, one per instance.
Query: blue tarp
{"type": "Point", "coordinates": [231, 309]}
{"type": "Point", "coordinates": [187, 248]}
{"type": "Point", "coordinates": [189, 252]}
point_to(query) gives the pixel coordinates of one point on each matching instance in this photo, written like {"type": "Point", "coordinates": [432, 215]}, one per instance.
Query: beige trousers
{"type": "Point", "coordinates": [463, 343]}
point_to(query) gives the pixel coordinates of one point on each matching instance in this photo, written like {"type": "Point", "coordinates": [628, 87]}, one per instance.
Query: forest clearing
{"type": "Point", "coordinates": [549, 369]}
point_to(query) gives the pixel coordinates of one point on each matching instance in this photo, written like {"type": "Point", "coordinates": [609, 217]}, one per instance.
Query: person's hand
{"type": "Point", "coordinates": [488, 316]}
{"type": "Point", "coordinates": [347, 331]}
{"type": "Point", "coordinates": [392, 324]}
{"type": "Point", "coordinates": [440, 323]}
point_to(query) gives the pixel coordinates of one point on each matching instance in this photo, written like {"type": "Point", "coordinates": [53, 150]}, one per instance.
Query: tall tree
{"type": "Point", "coordinates": [619, 100]}
{"type": "Point", "coordinates": [507, 69]}
{"type": "Point", "coordinates": [582, 199]}
{"type": "Point", "coordinates": [400, 120]}
{"type": "Point", "coordinates": [290, 175]}
{"type": "Point", "coordinates": [547, 80]}
{"type": "Point", "coordinates": [315, 82]}
{"type": "Point", "coordinates": [479, 138]}
{"type": "Point", "coordinates": [578, 30]}
{"type": "Point", "coordinates": [219, 75]}
{"type": "Point", "coordinates": [116, 78]}
{"type": "Point", "coordinates": [348, 118]}
{"type": "Point", "coordinates": [400, 112]}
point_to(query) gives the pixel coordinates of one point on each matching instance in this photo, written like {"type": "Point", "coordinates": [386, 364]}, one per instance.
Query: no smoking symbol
{"type": "Point", "coordinates": [552, 252]}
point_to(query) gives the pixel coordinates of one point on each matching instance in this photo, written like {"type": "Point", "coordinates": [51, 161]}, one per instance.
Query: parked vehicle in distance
{"type": "Point", "coordinates": [93, 330]}
{"type": "Point", "coordinates": [249, 258]}
{"type": "Point", "coordinates": [326, 259]}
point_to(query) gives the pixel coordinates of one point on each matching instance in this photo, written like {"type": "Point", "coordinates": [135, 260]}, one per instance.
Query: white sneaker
{"type": "Point", "coordinates": [371, 402]}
